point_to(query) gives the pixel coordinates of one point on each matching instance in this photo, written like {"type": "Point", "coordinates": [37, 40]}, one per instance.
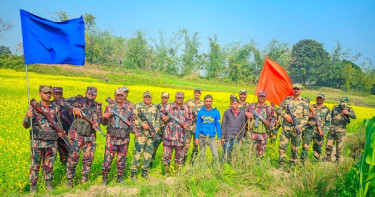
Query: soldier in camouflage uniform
{"type": "Point", "coordinates": [300, 109]}
{"type": "Point", "coordinates": [117, 135]}
{"type": "Point", "coordinates": [174, 134]}
{"type": "Point", "coordinates": [82, 134]}
{"type": "Point", "coordinates": [243, 106]}
{"type": "Point", "coordinates": [43, 138]}
{"type": "Point", "coordinates": [341, 115]}
{"type": "Point", "coordinates": [66, 117]}
{"type": "Point", "coordinates": [164, 101]}
{"type": "Point", "coordinates": [259, 128]}
{"type": "Point", "coordinates": [144, 140]}
{"type": "Point", "coordinates": [311, 132]}
{"type": "Point", "coordinates": [195, 105]}
{"type": "Point", "coordinates": [272, 133]}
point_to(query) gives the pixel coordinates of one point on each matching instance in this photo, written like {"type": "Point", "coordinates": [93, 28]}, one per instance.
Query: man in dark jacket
{"type": "Point", "coordinates": [232, 129]}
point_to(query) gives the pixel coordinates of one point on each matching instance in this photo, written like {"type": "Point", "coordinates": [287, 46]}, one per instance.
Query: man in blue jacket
{"type": "Point", "coordinates": [207, 126]}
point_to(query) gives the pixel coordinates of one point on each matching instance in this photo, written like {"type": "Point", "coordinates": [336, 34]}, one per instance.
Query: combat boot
{"type": "Point", "coordinates": [105, 179]}
{"type": "Point", "coordinates": [151, 165]}
{"type": "Point", "coordinates": [166, 169]}
{"type": "Point", "coordinates": [119, 179]}
{"type": "Point", "coordinates": [145, 174]}
{"type": "Point", "coordinates": [69, 183]}
{"type": "Point", "coordinates": [84, 179]}
{"type": "Point", "coordinates": [49, 186]}
{"type": "Point", "coordinates": [133, 176]}
{"type": "Point", "coordinates": [33, 188]}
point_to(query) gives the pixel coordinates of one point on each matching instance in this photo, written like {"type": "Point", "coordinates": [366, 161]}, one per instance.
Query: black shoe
{"type": "Point", "coordinates": [49, 186]}
{"type": "Point", "coordinates": [33, 188]}
{"type": "Point", "coordinates": [145, 174]}
{"type": "Point", "coordinates": [133, 176]}
{"type": "Point", "coordinates": [105, 179]}
{"type": "Point", "coordinates": [151, 165]}
{"type": "Point", "coordinates": [119, 179]}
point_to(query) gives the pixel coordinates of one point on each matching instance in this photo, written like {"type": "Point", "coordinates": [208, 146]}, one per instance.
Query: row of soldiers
{"type": "Point", "coordinates": [174, 124]}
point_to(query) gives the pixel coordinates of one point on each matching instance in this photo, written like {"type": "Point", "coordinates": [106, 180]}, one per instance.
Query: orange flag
{"type": "Point", "coordinates": [275, 81]}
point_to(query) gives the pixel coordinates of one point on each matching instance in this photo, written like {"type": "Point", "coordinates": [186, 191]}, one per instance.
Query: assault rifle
{"type": "Point", "coordinates": [293, 118]}
{"type": "Point", "coordinates": [59, 130]}
{"type": "Point", "coordinates": [316, 118]}
{"type": "Point", "coordinates": [149, 123]}
{"type": "Point", "coordinates": [126, 121]}
{"type": "Point", "coordinates": [84, 117]}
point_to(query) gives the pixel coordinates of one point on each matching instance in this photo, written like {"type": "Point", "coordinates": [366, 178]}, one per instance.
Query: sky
{"type": "Point", "coordinates": [352, 23]}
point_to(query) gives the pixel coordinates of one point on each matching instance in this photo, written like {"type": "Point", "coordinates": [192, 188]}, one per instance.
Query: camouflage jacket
{"type": "Point", "coordinates": [324, 116]}
{"type": "Point", "coordinates": [160, 106]}
{"type": "Point", "coordinates": [93, 112]}
{"type": "Point", "coordinates": [117, 130]}
{"type": "Point", "coordinates": [244, 106]}
{"type": "Point", "coordinates": [41, 126]}
{"type": "Point", "coordinates": [66, 112]}
{"type": "Point", "coordinates": [195, 107]}
{"type": "Point", "coordinates": [267, 112]}
{"type": "Point", "coordinates": [339, 119]}
{"type": "Point", "coordinates": [299, 108]}
{"type": "Point", "coordinates": [174, 134]}
{"type": "Point", "coordinates": [152, 114]}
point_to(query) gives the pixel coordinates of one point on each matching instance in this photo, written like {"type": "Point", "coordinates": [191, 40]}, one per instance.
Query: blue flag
{"type": "Point", "coordinates": [48, 42]}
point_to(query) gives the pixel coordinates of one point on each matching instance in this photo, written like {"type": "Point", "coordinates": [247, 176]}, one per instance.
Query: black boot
{"type": "Point", "coordinates": [119, 179]}
{"type": "Point", "coordinates": [133, 176]}
{"type": "Point", "coordinates": [105, 179]}
{"type": "Point", "coordinates": [84, 179]}
{"type": "Point", "coordinates": [145, 174]}
{"type": "Point", "coordinates": [151, 165]}
{"type": "Point", "coordinates": [33, 188]}
{"type": "Point", "coordinates": [49, 186]}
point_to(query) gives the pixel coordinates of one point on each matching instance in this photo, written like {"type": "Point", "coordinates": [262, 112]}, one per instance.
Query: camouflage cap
{"type": "Point", "coordinates": [57, 89]}
{"type": "Point", "coordinates": [321, 95]}
{"type": "Point", "coordinates": [297, 85]}
{"type": "Point", "coordinates": [119, 91]}
{"type": "Point", "coordinates": [197, 89]}
{"type": "Point", "coordinates": [344, 99]}
{"type": "Point", "coordinates": [233, 96]}
{"type": "Point", "coordinates": [243, 91]}
{"type": "Point", "coordinates": [92, 90]}
{"type": "Point", "coordinates": [262, 93]}
{"type": "Point", "coordinates": [45, 88]}
{"type": "Point", "coordinates": [125, 89]}
{"type": "Point", "coordinates": [146, 93]}
{"type": "Point", "coordinates": [180, 94]}
{"type": "Point", "coordinates": [165, 94]}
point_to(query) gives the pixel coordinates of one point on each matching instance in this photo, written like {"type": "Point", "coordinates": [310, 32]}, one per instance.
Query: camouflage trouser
{"type": "Point", "coordinates": [110, 152]}
{"type": "Point", "coordinates": [145, 145]}
{"type": "Point", "coordinates": [63, 152]}
{"type": "Point", "coordinates": [189, 136]}
{"type": "Point", "coordinates": [88, 151]}
{"type": "Point", "coordinates": [260, 143]}
{"type": "Point", "coordinates": [284, 143]}
{"type": "Point", "coordinates": [48, 155]}
{"type": "Point", "coordinates": [167, 154]}
{"type": "Point", "coordinates": [157, 144]}
{"type": "Point", "coordinates": [311, 134]}
{"type": "Point", "coordinates": [332, 137]}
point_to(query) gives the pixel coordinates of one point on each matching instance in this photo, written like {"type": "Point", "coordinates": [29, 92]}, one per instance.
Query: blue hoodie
{"type": "Point", "coordinates": [208, 123]}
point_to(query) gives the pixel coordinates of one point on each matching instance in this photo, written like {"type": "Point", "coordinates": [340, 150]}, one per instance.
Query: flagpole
{"type": "Point", "coordinates": [31, 121]}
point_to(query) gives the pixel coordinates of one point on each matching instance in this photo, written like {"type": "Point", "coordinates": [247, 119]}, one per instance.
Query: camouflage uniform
{"type": "Point", "coordinates": [272, 133]}
{"type": "Point", "coordinates": [145, 142]}
{"type": "Point", "coordinates": [259, 133]}
{"type": "Point", "coordinates": [83, 136]}
{"type": "Point", "coordinates": [338, 128]}
{"type": "Point", "coordinates": [195, 107]}
{"type": "Point", "coordinates": [174, 134]}
{"type": "Point", "coordinates": [160, 133]}
{"type": "Point", "coordinates": [117, 137]}
{"type": "Point", "coordinates": [66, 117]}
{"type": "Point", "coordinates": [311, 132]}
{"type": "Point", "coordinates": [44, 145]}
{"type": "Point", "coordinates": [300, 109]}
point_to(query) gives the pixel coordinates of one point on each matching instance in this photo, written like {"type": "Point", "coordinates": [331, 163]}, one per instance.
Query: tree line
{"type": "Point", "coordinates": [306, 62]}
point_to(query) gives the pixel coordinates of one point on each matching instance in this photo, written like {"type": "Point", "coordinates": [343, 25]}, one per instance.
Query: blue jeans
{"type": "Point", "coordinates": [227, 150]}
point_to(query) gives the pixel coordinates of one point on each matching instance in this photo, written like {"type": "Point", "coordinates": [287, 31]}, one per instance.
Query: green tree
{"type": "Point", "coordinates": [166, 54]}
{"type": "Point", "coordinates": [138, 54]}
{"type": "Point", "coordinates": [216, 60]}
{"type": "Point", "coordinates": [190, 59]}
{"type": "Point", "coordinates": [310, 60]}
{"type": "Point", "coordinates": [5, 50]}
